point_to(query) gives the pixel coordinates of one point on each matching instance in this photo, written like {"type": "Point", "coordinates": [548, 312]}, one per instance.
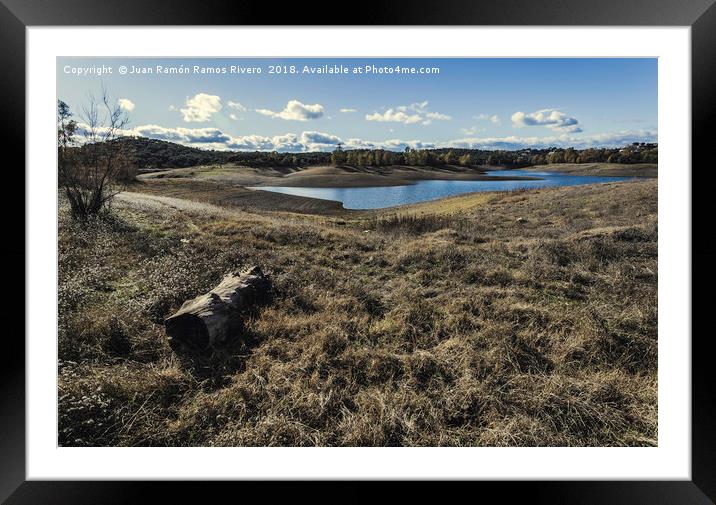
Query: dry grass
{"type": "Point", "coordinates": [463, 328]}
{"type": "Point", "coordinates": [615, 169]}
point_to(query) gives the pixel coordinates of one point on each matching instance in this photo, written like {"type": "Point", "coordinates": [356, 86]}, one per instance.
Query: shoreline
{"type": "Point", "coordinates": [250, 188]}
{"type": "Point", "coordinates": [264, 200]}
{"type": "Point", "coordinates": [327, 176]}
{"type": "Point", "coordinates": [395, 178]}
{"type": "Point", "coordinates": [640, 170]}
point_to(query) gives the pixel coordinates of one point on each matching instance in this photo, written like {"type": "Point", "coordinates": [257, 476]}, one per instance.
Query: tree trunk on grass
{"type": "Point", "coordinates": [211, 320]}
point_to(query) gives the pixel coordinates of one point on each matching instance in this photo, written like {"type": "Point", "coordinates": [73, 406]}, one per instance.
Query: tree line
{"type": "Point", "coordinates": [145, 153]}
{"type": "Point", "coordinates": [148, 153]}
{"type": "Point", "coordinates": [632, 153]}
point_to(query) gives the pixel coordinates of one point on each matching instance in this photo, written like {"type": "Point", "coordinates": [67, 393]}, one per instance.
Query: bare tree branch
{"type": "Point", "coordinates": [92, 168]}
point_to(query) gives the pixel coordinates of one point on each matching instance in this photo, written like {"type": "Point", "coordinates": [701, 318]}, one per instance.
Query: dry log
{"type": "Point", "coordinates": [213, 319]}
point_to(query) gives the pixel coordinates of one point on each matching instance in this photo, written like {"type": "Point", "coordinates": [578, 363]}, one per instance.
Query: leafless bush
{"type": "Point", "coordinates": [91, 162]}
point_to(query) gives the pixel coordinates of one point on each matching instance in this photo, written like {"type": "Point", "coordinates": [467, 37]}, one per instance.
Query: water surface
{"type": "Point", "coordinates": [421, 191]}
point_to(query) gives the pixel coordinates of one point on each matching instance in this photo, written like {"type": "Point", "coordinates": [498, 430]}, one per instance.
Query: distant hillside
{"type": "Point", "coordinates": [151, 153]}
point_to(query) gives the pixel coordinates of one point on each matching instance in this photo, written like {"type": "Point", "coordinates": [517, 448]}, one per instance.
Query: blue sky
{"type": "Point", "coordinates": [478, 103]}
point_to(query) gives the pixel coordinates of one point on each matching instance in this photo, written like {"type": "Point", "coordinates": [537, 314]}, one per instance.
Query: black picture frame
{"type": "Point", "coordinates": [700, 15]}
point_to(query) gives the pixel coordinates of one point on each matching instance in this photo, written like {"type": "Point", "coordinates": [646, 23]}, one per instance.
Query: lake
{"type": "Point", "coordinates": [421, 191]}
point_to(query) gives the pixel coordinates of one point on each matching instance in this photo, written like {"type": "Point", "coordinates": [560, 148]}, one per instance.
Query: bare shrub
{"type": "Point", "coordinates": [90, 159]}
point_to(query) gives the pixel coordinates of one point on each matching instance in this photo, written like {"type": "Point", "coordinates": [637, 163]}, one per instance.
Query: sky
{"type": "Point", "coordinates": [241, 104]}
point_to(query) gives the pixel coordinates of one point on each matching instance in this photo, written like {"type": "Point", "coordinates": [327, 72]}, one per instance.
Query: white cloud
{"type": "Point", "coordinates": [408, 114]}
{"type": "Point", "coordinates": [284, 143]}
{"type": "Point", "coordinates": [390, 144]}
{"type": "Point", "coordinates": [438, 116]}
{"type": "Point", "coordinates": [550, 118]}
{"type": "Point", "coordinates": [200, 107]}
{"type": "Point", "coordinates": [313, 137]}
{"type": "Point", "coordinates": [215, 138]}
{"type": "Point", "coordinates": [607, 139]}
{"type": "Point", "coordinates": [400, 145]}
{"type": "Point", "coordinates": [295, 111]}
{"type": "Point", "coordinates": [236, 106]}
{"type": "Point", "coordinates": [126, 104]}
{"type": "Point", "coordinates": [184, 135]}
{"type": "Point", "coordinates": [319, 141]}
{"type": "Point", "coordinates": [417, 107]}
{"type": "Point", "coordinates": [493, 118]}
{"type": "Point", "coordinates": [620, 138]}
{"type": "Point", "coordinates": [394, 116]}
{"type": "Point", "coordinates": [348, 110]}
{"type": "Point", "coordinates": [287, 143]}
{"type": "Point", "coordinates": [473, 130]}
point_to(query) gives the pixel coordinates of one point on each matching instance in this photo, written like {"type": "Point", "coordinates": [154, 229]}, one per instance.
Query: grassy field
{"type": "Point", "coordinates": [602, 169]}
{"type": "Point", "coordinates": [506, 319]}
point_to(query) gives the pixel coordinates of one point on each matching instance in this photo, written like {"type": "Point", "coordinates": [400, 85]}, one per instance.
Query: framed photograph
{"type": "Point", "coordinates": [449, 242]}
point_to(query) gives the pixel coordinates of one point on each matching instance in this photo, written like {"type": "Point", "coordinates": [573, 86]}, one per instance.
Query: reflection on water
{"type": "Point", "coordinates": [421, 191]}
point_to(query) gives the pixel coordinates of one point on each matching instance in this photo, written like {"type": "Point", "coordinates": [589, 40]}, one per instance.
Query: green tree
{"type": "Point", "coordinates": [338, 157]}
{"type": "Point", "coordinates": [449, 158]}
{"type": "Point", "coordinates": [66, 130]}
{"type": "Point", "coordinates": [556, 156]}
